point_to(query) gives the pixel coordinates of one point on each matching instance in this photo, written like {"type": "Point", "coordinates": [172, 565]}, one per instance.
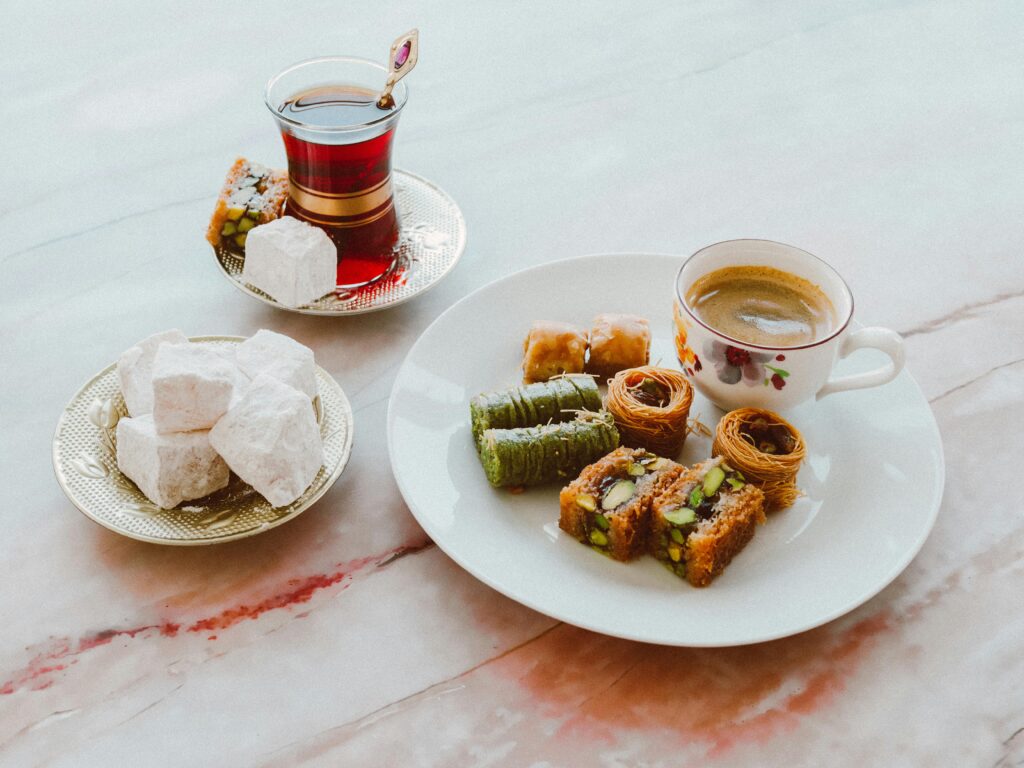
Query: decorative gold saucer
{"type": "Point", "coordinates": [84, 459]}
{"type": "Point", "coordinates": [432, 239]}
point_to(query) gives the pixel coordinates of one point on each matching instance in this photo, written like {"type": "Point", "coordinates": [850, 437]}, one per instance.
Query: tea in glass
{"type": "Point", "coordinates": [338, 141]}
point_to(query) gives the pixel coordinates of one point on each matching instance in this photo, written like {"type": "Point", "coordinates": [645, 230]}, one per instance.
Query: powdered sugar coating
{"type": "Point", "coordinates": [270, 439]}
{"type": "Point", "coordinates": [281, 357]}
{"type": "Point", "coordinates": [193, 386]}
{"type": "Point", "coordinates": [135, 370]}
{"type": "Point", "coordinates": [292, 261]}
{"type": "Point", "coordinates": [168, 468]}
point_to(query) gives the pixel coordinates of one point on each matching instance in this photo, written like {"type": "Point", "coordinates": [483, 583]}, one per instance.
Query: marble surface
{"type": "Point", "coordinates": [887, 137]}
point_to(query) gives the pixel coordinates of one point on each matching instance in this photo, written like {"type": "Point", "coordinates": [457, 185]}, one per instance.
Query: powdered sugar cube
{"type": "Point", "coordinates": [280, 357]}
{"type": "Point", "coordinates": [135, 370]}
{"type": "Point", "coordinates": [168, 467]}
{"type": "Point", "coordinates": [292, 261]}
{"type": "Point", "coordinates": [193, 386]}
{"type": "Point", "coordinates": [242, 379]}
{"type": "Point", "coordinates": [271, 440]}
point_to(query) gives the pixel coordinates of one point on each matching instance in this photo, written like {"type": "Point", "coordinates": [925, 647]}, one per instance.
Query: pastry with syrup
{"type": "Point", "coordinates": [700, 522]}
{"type": "Point", "coordinates": [608, 505]}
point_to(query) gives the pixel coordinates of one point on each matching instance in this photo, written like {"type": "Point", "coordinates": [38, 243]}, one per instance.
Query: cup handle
{"type": "Point", "coordinates": [889, 342]}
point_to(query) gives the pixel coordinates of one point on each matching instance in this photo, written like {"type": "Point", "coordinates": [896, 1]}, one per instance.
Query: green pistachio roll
{"type": "Point", "coordinates": [544, 454]}
{"type": "Point", "coordinates": [529, 405]}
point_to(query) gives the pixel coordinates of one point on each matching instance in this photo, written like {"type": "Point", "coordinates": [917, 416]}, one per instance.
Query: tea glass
{"type": "Point", "coordinates": [340, 175]}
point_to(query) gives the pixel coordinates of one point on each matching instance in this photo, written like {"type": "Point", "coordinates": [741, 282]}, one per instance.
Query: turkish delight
{"type": "Point", "coordinates": [293, 262]}
{"type": "Point", "coordinates": [193, 386]}
{"type": "Point", "coordinates": [271, 440]}
{"type": "Point", "coordinates": [135, 370]}
{"type": "Point", "coordinates": [168, 468]}
{"type": "Point", "coordinates": [281, 357]}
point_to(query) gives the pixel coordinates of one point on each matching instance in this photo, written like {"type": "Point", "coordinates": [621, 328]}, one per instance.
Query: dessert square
{"type": "Point", "coordinates": [193, 386]}
{"type": "Point", "coordinates": [608, 505]}
{"type": "Point", "coordinates": [703, 519]}
{"type": "Point", "coordinates": [135, 370]}
{"type": "Point", "coordinates": [293, 262]}
{"type": "Point", "coordinates": [551, 349]}
{"type": "Point", "coordinates": [168, 468]}
{"type": "Point", "coordinates": [618, 342]}
{"type": "Point", "coordinates": [271, 440]}
{"type": "Point", "coordinates": [252, 195]}
{"type": "Point", "coordinates": [281, 357]}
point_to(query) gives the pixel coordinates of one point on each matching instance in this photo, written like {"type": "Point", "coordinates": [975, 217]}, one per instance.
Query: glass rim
{"type": "Point", "coordinates": [400, 93]}
{"type": "Point", "coordinates": [841, 323]}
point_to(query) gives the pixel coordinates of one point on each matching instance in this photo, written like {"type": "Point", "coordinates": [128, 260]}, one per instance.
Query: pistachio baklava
{"type": "Point", "coordinates": [252, 195]}
{"type": "Point", "coordinates": [703, 519]}
{"type": "Point", "coordinates": [608, 505]}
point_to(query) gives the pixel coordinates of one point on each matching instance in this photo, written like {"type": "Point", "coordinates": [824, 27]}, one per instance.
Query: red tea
{"type": "Point", "coordinates": [345, 188]}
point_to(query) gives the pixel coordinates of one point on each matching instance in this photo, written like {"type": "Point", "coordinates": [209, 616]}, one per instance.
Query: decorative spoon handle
{"type": "Point", "coordinates": [405, 52]}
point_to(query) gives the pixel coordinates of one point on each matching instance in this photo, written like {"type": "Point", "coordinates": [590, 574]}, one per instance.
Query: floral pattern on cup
{"type": "Point", "coordinates": [687, 357]}
{"type": "Point", "coordinates": [735, 364]}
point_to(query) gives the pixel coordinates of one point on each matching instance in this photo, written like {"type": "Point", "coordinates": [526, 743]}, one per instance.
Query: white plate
{"type": "Point", "coordinates": [873, 477]}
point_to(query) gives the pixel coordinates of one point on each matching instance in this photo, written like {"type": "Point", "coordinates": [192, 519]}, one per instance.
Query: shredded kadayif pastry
{"type": "Point", "coordinates": [766, 448]}
{"type": "Point", "coordinates": [651, 406]}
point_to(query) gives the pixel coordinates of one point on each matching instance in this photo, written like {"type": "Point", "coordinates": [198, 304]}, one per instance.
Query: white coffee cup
{"type": "Point", "coordinates": [735, 374]}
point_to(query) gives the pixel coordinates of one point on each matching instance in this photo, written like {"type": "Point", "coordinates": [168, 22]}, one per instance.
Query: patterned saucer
{"type": "Point", "coordinates": [432, 238]}
{"type": "Point", "coordinates": [84, 460]}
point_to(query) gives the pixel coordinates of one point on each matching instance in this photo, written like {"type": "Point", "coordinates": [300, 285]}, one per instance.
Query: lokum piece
{"type": "Point", "coordinates": [193, 386]}
{"type": "Point", "coordinates": [169, 468]}
{"type": "Point", "coordinates": [281, 357]}
{"type": "Point", "coordinates": [291, 261]}
{"type": "Point", "coordinates": [252, 194]}
{"type": "Point", "coordinates": [135, 370]}
{"type": "Point", "coordinates": [271, 440]}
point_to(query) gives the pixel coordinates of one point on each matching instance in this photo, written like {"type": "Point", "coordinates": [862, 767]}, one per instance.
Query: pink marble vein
{"type": "Point", "coordinates": [59, 654]}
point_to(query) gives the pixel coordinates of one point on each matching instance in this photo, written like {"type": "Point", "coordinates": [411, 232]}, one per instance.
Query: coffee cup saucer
{"type": "Point", "coordinates": [431, 241]}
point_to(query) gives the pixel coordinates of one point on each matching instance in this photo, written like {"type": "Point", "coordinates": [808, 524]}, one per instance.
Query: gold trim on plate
{"type": "Point", "coordinates": [85, 463]}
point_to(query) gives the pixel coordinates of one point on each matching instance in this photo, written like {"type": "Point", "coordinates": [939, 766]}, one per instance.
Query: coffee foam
{"type": "Point", "coordinates": [762, 305]}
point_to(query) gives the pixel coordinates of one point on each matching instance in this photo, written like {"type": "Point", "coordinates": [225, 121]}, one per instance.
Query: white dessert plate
{"type": "Point", "coordinates": [85, 462]}
{"type": "Point", "coordinates": [873, 477]}
{"type": "Point", "coordinates": [431, 240]}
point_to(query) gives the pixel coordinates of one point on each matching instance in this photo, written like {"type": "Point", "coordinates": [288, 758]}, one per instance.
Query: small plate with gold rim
{"type": "Point", "coordinates": [431, 240]}
{"type": "Point", "coordinates": [84, 460]}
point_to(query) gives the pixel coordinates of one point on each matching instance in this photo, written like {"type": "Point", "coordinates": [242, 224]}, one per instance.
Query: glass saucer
{"type": "Point", "coordinates": [431, 241]}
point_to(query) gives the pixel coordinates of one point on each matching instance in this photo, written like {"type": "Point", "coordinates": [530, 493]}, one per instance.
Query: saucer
{"type": "Point", "coordinates": [430, 243]}
{"type": "Point", "coordinates": [84, 460]}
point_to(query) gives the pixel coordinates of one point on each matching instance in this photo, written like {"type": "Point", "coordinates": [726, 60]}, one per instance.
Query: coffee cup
{"type": "Point", "coordinates": [762, 324]}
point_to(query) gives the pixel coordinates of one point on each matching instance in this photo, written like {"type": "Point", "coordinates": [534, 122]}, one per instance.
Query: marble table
{"type": "Point", "coordinates": [886, 137]}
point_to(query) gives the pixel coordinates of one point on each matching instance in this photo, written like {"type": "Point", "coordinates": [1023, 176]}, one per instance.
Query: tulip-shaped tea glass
{"type": "Point", "coordinates": [338, 142]}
